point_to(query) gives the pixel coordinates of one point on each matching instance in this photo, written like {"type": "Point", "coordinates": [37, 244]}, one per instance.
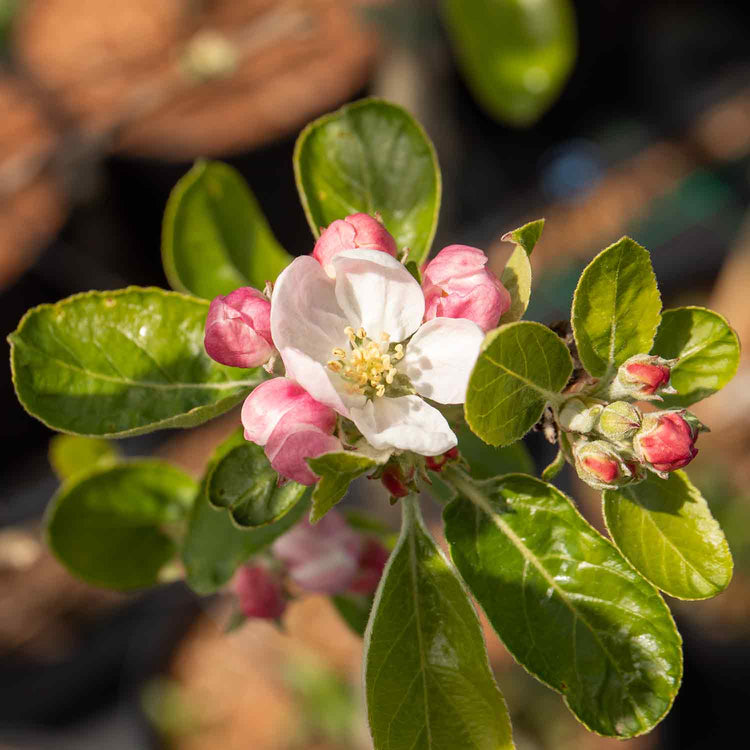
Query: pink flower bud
{"type": "Point", "coordinates": [600, 465]}
{"type": "Point", "coordinates": [436, 463]}
{"type": "Point", "coordinates": [371, 564]}
{"type": "Point", "coordinates": [324, 557]}
{"type": "Point", "coordinates": [456, 284]}
{"type": "Point", "coordinates": [282, 416]}
{"type": "Point", "coordinates": [238, 329]}
{"type": "Point", "coordinates": [666, 441]}
{"type": "Point", "coordinates": [645, 376]}
{"type": "Point", "coordinates": [396, 482]}
{"type": "Point", "coordinates": [258, 592]}
{"type": "Point", "coordinates": [356, 231]}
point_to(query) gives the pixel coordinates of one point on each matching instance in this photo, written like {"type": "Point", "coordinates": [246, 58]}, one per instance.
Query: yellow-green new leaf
{"type": "Point", "coordinates": [664, 527]}
{"type": "Point", "coordinates": [516, 277]}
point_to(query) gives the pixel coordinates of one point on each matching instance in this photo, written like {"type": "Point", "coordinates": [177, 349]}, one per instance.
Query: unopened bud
{"type": "Point", "coordinates": [601, 465]}
{"type": "Point", "coordinates": [666, 440]}
{"type": "Point", "coordinates": [580, 415]}
{"type": "Point", "coordinates": [259, 593]}
{"type": "Point", "coordinates": [644, 377]}
{"type": "Point", "coordinates": [619, 421]}
{"type": "Point", "coordinates": [396, 482]}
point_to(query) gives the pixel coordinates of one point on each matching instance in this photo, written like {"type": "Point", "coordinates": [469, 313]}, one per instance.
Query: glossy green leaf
{"type": "Point", "coordinates": [664, 527]}
{"type": "Point", "coordinates": [707, 348]}
{"type": "Point", "coordinates": [336, 471]}
{"type": "Point", "coordinates": [616, 307]}
{"type": "Point", "coordinates": [565, 602]}
{"type": "Point", "coordinates": [121, 363]}
{"type": "Point", "coordinates": [488, 461]}
{"type": "Point", "coordinates": [522, 366]}
{"type": "Point", "coordinates": [244, 483]}
{"type": "Point", "coordinates": [515, 55]}
{"type": "Point", "coordinates": [215, 237]}
{"type": "Point", "coordinates": [354, 610]}
{"type": "Point", "coordinates": [427, 679]}
{"type": "Point", "coordinates": [516, 277]}
{"type": "Point", "coordinates": [108, 526]}
{"type": "Point", "coordinates": [214, 547]}
{"type": "Point", "coordinates": [371, 157]}
{"type": "Point", "coordinates": [71, 454]}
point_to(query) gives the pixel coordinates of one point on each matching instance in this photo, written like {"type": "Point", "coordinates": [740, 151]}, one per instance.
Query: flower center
{"type": "Point", "coordinates": [368, 366]}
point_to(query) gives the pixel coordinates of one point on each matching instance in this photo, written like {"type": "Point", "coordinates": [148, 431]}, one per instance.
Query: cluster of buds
{"type": "Point", "coordinates": [613, 444]}
{"type": "Point", "coordinates": [326, 558]}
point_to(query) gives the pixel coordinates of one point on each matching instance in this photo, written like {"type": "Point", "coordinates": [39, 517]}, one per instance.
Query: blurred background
{"type": "Point", "coordinates": [607, 118]}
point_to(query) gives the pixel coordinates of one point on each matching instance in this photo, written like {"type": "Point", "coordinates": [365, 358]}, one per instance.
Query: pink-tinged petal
{"type": "Point", "coordinates": [275, 399]}
{"type": "Point", "coordinates": [259, 593]}
{"type": "Point", "coordinates": [292, 443]}
{"type": "Point", "coordinates": [305, 315]}
{"type": "Point", "coordinates": [376, 292]}
{"type": "Point", "coordinates": [457, 284]}
{"type": "Point", "coordinates": [238, 330]}
{"type": "Point", "coordinates": [440, 357]}
{"type": "Point", "coordinates": [356, 231]}
{"type": "Point", "coordinates": [407, 423]}
{"type": "Point", "coordinates": [323, 557]}
{"type": "Point", "coordinates": [666, 441]}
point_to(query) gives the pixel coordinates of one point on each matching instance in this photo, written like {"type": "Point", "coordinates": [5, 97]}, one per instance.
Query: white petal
{"type": "Point", "coordinates": [376, 292]}
{"type": "Point", "coordinates": [406, 423]}
{"type": "Point", "coordinates": [440, 357]}
{"type": "Point", "coordinates": [322, 384]}
{"type": "Point", "coordinates": [304, 312]}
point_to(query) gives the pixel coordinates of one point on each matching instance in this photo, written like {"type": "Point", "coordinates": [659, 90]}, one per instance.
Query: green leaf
{"type": "Point", "coordinates": [488, 461]}
{"type": "Point", "coordinates": [121, 363]}
{"type": "Point", "coordinates": [244, 483]}
{"type": "Point", "coordinates": [336, 471]}
{"type": "Point", "coordinates": [526, 236]}
{"type": "Point", "coordinates": [616, 307]}
{"type": "Point", "coordinates": [522, 366]}
{"type": "Point", "coordinates": [707, 348]}
{"type": "Point", "coordinates": [354, 610]}
{"type": "Point", "coordinates": [564, 601]}
{"type": "Point", "coordinates": [215, 237]}
{"type": "Point", "coordinates": [665, 529]}
{"type": "Point", "coordinates": [516, 277]}
{"type": "Point", "coordinates": [214, 547]}
{"type": "Point", "coordinates": [107, 526]}
{"type": "Point", "coordinates": [70, 454]}
{"type": "Point", "coordinates": [427, 678]}
{"type": "Point", "coordinates": [554, 468]}
{"type": "Point", "coordinates": [515, 55]}
{"type": "Point", "coordinates": [371, 157]}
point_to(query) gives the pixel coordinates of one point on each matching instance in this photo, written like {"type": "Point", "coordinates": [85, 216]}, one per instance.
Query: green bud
{"type": "Point", "coordinates": [580, 415]}
{"type": "Point", "coordinates": [619, 421]}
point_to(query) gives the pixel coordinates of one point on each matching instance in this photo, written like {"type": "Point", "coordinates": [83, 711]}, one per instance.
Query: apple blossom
{"type": "Point", "coordinates": [600, 465]}
{"type": "Point", "coordinates": [238, 329]}
{"type": "Point", "coordinates": [356, 343]}
{"type": "Point", "coordinates": [457, 284]}
{"type": "Point", "coordinates": [356, 231]}
{"type": "Point", "coordinates": [259, 592]}
{"type": "Point", "coordinates": [324, 557]}
{"type": "Point", "coordinates": [292, 426]}
{"type": "Point", "coordinates": [666, 440]}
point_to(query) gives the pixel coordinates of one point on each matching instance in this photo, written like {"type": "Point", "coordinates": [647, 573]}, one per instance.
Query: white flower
{"type": "Point", "coordinates": [356, 343]}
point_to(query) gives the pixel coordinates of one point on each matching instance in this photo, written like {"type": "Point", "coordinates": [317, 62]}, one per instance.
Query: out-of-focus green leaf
{"type": "Point", "coordinates": [427, 679]}
{"type": "Point", "coordinates": [354, 610]}
{"type": "Point", "coordinates": [107, 526]}
{"type": "Point", "coordinates": [488, 461]}
{"type": "Point", "coordinates": [371, 157]}
{"type": "Point", "coordinates": [565, 602]}
{"type": "Point", "coordinates": [707, 348]}
{"type": "Point", "coordinates": [522, 366]}
{"type": "Point", "coordinates": [71, 454]}
{"type": "Point", "coordinates": [127, 362]}
{"type": "Point", "coordinates": [336, 471]}
{"type": "Point", "coordinates": [516, 55]}
{"type": "Point", "coordinates": [665, 529]}
{"type": "Point", "coordinates": [215, 237]}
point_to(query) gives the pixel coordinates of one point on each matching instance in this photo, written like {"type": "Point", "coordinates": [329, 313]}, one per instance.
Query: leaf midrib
{"type": "Point", "coordinates": [227, 385]}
